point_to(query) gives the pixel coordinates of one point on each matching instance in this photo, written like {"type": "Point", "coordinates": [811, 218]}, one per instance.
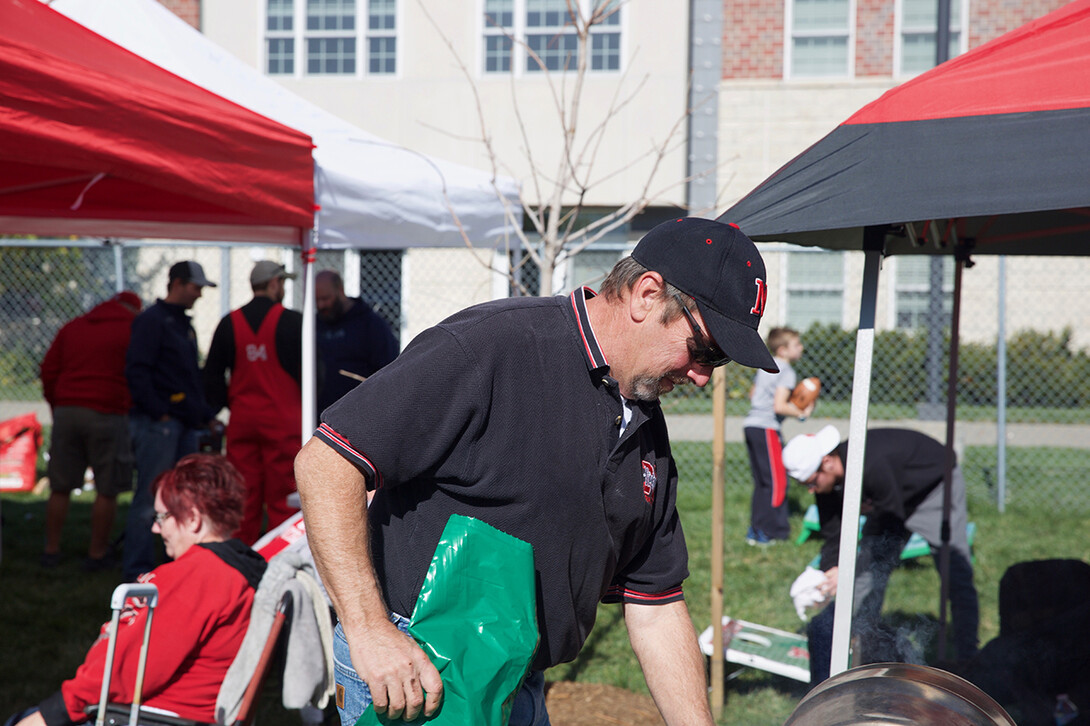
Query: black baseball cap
{"type": "Point", "coordinates": [190, 271]}
{"type": "Point", "coordinates": [720, 268]}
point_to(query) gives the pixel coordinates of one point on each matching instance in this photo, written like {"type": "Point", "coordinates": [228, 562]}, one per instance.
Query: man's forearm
{"type": "Point", "coordinates": [664, 641]}
{"type": "Point", "coordinates": [399, 675]}
{"type": "Point", "coordinates": [333, 494]}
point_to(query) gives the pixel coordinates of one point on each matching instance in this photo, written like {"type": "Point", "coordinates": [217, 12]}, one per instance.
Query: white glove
{"type": "Point", "coordinates": [806, 592]}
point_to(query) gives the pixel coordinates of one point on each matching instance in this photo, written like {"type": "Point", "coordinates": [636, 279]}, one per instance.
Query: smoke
{"type": "Point", "coordinates": [880, 642]}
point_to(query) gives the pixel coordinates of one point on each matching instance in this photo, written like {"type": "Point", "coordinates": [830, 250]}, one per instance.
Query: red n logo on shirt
{"type": "Point", "coordinates": [762, 295]}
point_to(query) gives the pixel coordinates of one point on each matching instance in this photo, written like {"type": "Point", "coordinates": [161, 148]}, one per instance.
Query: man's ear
{"type": "Point", "coordinates": [645, 295]}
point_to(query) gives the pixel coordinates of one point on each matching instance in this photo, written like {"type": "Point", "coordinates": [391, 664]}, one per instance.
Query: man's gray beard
{"type": "Point", "coordinates": [647, 389]}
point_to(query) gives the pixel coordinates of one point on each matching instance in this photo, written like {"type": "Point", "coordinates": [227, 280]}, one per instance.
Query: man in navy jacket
{"type": "Point", "coordinates": [168, 404]}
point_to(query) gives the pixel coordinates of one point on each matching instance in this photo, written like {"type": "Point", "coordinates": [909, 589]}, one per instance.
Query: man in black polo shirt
{"type": "Point", "coordinates": [539, 416]}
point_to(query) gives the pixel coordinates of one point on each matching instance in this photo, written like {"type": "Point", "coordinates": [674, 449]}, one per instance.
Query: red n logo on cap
{"type": "Point", "coordinates": [762, 295]}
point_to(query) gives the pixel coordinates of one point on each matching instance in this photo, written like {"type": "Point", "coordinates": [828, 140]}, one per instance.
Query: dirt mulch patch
{"type": "Point", "coordinates": [594, 704]}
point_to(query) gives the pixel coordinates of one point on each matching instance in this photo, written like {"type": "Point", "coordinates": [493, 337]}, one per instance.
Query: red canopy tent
{"type": "Point", "coordinates": [94, 140]}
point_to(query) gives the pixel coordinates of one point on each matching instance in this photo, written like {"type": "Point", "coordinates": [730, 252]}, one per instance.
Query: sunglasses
{"type": "Point", "coordinates": [703, 354]}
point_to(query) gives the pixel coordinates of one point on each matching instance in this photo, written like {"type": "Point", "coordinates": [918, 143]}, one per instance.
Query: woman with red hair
{"type": "Point", "coordinates": [205, 596]}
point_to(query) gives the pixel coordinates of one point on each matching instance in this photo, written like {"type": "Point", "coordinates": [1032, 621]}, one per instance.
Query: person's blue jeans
{"type": "Point", "coordinates": [157, 446]}
{"type": "Point", "coordinates": [528, 708]}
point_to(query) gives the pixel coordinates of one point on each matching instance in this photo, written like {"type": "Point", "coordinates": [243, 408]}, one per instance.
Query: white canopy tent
{"type": "Point", "coordinates": [370, 193]}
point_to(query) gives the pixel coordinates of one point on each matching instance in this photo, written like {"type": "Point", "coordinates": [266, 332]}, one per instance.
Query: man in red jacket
{"type": "Point", "coordinates": [83, 379]}
{"type": "Point", "coordinates": [261, 345]}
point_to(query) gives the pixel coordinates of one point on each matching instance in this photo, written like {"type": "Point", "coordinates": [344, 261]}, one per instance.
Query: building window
{"type": "Point", "coordinates": [280, 38]}
{"type": "Point", "coordinates": [381, 37]}
{"type": "Point", "coordinates": [918, 27]}
{"type": "Point", "coordinates": [331, 37]}
{"type": "Point", "coordinates": [912, 284]}
{"type": "Point", "coordinates": [329, 32]}
{"type": "Point", "coordinates": [546, 35]}
{"type": "Point", "coordinates": [820, 42]}
{"type": "Point", "coordinates": [499, 23]}
{"type": "Point", "coordinates": [815, 289]}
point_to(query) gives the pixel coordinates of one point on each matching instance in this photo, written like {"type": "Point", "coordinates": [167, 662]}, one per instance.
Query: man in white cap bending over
{"type": "Point", "coordinates": [902, 493]}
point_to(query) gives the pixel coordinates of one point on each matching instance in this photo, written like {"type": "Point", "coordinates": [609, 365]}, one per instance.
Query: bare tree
{"type": "Point", "coordinates": [553, 197]}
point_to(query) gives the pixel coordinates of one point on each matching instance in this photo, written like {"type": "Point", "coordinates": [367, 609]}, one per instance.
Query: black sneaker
{"type": "Point", "coordinates": [49, 560]}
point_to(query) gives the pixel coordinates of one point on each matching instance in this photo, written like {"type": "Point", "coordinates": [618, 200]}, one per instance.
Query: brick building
{"type": "Point", "coordinates": [791, 70]}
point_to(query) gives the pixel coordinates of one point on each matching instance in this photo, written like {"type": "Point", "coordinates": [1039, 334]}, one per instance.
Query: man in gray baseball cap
{"type": "Point", "coordinates": [261, 344]}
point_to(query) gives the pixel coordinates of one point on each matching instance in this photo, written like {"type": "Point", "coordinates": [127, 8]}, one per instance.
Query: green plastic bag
{"type": "Point", "coordinates": [476, 618]}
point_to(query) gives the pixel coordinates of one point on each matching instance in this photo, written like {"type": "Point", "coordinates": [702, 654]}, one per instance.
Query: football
{"type": "Point", "coordinates": [806, 392]}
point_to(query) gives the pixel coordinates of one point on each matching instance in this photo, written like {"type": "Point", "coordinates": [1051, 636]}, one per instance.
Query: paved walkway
{"type": "Point", "coordinates": [968, 433]}
{"type": "Point", "coordinates": [698, 427]}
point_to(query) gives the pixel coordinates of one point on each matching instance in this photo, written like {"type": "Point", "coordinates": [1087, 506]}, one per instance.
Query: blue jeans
{"type": "Point", "coordinates": [527, 710]}
{"type": "Point", "coordinates": [157, 446]}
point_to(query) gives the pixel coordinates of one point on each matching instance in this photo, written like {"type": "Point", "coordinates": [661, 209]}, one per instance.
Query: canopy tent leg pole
{"type": "Point", "coordinates": [1001, 393]}
{"type": "Point", "coordinates": [310, 363]}
{"type": "Point", "coordinates": [719, 413]}
{"type": "Point", "coordinates": [947, 480]}
{"type": "Point", "coordinates": [873, 242]}
{"type": "Point", "coordinates": [225, 281]}
{"type": "Point", "coordinates": [119, 265]}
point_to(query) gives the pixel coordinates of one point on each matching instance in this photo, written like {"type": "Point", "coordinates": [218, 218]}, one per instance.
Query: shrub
{"type": "Point", "coordinates": [1043, 370]}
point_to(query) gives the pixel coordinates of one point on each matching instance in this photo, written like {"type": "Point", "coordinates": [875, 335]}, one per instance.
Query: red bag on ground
{"type": "Point", "coordinates": [20, 438]}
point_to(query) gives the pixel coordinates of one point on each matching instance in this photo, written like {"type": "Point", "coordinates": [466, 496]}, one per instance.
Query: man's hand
{"type": "Point", "coordinates": [829, 586]}
{"type": "Point", "coordinates": [398, 672]}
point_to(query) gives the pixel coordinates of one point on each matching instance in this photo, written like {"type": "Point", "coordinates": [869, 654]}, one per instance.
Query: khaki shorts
{"type": "Point", "coordinates": [84, 437]}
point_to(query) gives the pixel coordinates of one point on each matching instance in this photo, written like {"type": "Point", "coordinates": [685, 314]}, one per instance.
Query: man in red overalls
{"type": "Point", "coordinates": [261, 345]}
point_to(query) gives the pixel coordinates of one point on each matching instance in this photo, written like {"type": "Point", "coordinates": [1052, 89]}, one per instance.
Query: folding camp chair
{"type": "Point", "coordinates": [135, 714]}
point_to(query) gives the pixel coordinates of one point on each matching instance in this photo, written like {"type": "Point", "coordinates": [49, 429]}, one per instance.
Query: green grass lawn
{"type": "Point", "coordinates": [50, 617]}
{"type": "Point", "coordinates": [698, 401]}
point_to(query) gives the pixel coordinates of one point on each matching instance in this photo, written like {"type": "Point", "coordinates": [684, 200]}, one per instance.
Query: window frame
{"type": "Point", "coordinates": [899, 35]}
{"type": "Point", "coordinates": [520, 59]}
{"type": "Point", "coordinates": [901, 287]}
{"type": "Point", "coordinates": [361, 37]}
{"type": "Point", "coordinates": [789, 43]}
{"type": "Point", "coordinates": [793, 252]}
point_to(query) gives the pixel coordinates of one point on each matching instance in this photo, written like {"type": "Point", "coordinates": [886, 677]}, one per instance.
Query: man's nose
{"type": "Point", "coordinates": [700, 375]}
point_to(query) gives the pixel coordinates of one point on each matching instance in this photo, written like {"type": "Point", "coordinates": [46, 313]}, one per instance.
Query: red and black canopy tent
{"type": "Point", "coordinates": [95, 140]}
{"type": "Point", "coordinates": [995, 139]}
{"type": "Point", "coordinates": [988, 153]}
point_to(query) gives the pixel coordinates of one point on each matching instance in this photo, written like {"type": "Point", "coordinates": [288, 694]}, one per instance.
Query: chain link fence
{"type": "Point", "coordinates": [1023, 409]}
{"type": "Point", "coordinates": [46, 283]}
{"type": "Point", "coordinates": [1022, 431]}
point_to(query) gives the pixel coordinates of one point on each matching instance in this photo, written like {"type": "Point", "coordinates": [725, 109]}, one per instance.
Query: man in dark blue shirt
{"type": "Point", "coordinates": [539, 416]}
{"type": "Point", "coordinates": [168, 404]}
{"type": "Point", "coordinates": [353, 340]}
